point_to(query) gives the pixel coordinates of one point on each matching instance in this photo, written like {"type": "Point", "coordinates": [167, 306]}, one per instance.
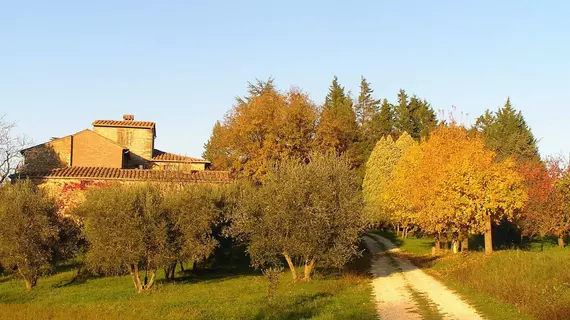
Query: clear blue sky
{"type": "Point", "coordinates": [181, 63]}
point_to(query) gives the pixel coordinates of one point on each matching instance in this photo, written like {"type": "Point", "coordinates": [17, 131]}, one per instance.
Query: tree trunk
{"type": "Point", "coordinates": [309, 265]}
{"type": "Point", "coordinates": [194, 267]}
{"type": "Point", "coordinates": [561, 242]}
{"type": "Point", "coordinates": [436, 246]}
{"type": "Point", "coordinates": [291, 265]}
{"type": "Point", "coordinates": [181, 266]}
{"type": "Point", "coordinates": [465, 240]}
{"type": "Point", "coordinates": [455, 245]}
{"type": "Point", "coordinates": [465, 244]}
{"type": "Point", "coordinates": [488, 235]}
{"type": "Point", "coordinates": [134, 269]}
{"type": "Point", "coordinates": [148, 285]}
{"type": "Point", "coordinates": [30, 283]}
{"type": "Point", "coordinates": [398, 230]}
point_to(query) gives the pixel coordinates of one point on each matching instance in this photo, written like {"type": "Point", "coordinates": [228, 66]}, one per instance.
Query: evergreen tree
{"type": "Point", "coordinates": [507, 133]}
{"type": "Point", "coordinates": [384, 120]}
{"type": "Point", "coordinates": [403, 114]}
{"type": "Point", "coordinates": [366, 106]}
{"type": "Point", "coordinates": [423, 118]}
{"type": "Point", "coordinates": [337, 129]}
{"type": "Point", "coordinates": [414, 116]}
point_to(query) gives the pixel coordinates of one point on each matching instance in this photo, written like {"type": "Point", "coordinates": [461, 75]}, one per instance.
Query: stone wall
{"type": "Point", "coordinates": [139, 141]}
{"type": "Point", "coordinates": [92, 150]}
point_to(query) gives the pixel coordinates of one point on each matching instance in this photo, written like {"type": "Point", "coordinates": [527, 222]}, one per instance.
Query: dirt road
{"type": "Point", "coordinates": [404, 292]}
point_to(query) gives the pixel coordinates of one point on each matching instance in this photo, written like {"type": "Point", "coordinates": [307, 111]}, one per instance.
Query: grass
{"type": "Point", "coordinates": [217, 294]}
{"type": "Point", "coordinates": [509, 284]}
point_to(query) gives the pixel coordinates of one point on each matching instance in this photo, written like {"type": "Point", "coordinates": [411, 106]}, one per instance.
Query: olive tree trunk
{"type": "Point", "coordinates": [309, 266]}
{"type": "Point", "coordinates": [150, 275]}
{"type": "Point", "coordinates": [290, 264]}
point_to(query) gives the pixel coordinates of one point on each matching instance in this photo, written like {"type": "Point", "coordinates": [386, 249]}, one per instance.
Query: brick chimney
{"type": "Point", "coordinates": [128, 117]}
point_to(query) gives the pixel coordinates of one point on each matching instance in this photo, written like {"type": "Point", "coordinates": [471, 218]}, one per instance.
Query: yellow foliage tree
{"type": "Point", "coordinates": [379, 171]}
{"type": "Point", "coordinates": [452, 185]}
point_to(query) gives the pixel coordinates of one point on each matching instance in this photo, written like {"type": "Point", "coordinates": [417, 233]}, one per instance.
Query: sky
{"type": "Point", "coordinates": [64, 64]}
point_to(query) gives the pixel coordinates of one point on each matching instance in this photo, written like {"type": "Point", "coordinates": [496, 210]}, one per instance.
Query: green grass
{"type": "Point", "coordinates": [509, 284]}
{"type": "Point", "coordinates": [208, 295]}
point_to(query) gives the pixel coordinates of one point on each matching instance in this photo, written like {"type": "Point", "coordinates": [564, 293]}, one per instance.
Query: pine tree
{"type": "Point", "coordinates": [337, 129]}
{"type": "Point", "coordinates": [507, 133]}
{"type": "Point", "coordinates": [423, 118]}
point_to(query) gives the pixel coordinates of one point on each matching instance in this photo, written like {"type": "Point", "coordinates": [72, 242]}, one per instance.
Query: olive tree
{"type": "Point", "coordinates": [192, 212]}
{"type": "Point", "coordinates": [303, 212]}
{"type": "Point", "coordinates": [29, 231]}
{"type": "Point", "coordinates": [126, 228]}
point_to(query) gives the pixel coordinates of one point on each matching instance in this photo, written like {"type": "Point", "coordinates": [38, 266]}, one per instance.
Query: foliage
{"type": "Point", "coordinates": [261, 128]}
{"type": "Point", "coordinates": [126, 228]}
{"type": "Point", "coordinates": [452, 185]}
{"type": "Point", "coordinates": [379, 171]}
{"type": "Point", "coordinates": [337, 129]}
{"type": "Point", "coordinates": [29, 231]}
{"type": "Point", "coordinates": [303, 212]}
{"type": "Point", "coordinates": [543, 212]}
{"type": "Point", "coordinates": [138, 227]}
{"type": "Point", "coordinates": [507, 133]}
{"type": "Point", "coordinates": [414, 116]}
{"type": "Point", "coordinates": [192, 214]}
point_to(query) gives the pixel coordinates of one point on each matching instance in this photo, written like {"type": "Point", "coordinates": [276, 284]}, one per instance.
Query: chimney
{"type": "Point", "coordinates": [128, 117]}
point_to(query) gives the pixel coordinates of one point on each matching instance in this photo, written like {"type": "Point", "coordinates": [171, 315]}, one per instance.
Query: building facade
{"type": "Point", "coordinates": [113, 150]}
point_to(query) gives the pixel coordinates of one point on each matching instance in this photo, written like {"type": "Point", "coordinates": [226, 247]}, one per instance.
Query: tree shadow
{"type": "Point", "coordinates": [303, 307]}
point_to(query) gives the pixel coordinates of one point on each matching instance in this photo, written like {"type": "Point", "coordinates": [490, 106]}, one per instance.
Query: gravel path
{"type": "Point", "coordinates": [395, 281]}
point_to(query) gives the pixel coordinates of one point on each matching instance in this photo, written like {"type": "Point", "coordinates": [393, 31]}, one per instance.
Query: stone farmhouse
{"type": "Point", "coordinates": [114, 150]}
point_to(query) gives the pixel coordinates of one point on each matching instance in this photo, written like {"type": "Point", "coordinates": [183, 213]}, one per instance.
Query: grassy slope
{"type": "Point", "coordinates": [510, 284]}
{"type": "Point", "coordinates": [206, 296]}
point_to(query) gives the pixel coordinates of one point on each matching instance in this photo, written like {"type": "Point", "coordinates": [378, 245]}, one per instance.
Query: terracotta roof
{"type": "Point", "coordinates": [158, 155]}
{"type": "Point", "coordinates": [124, 123]}
{"type": "Point", "coordinates": [100, 173]}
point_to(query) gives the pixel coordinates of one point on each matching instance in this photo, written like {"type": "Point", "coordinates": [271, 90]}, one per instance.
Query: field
{"type": "Point", "coordinates": [509, 284]}
{"type": "Point", "coordinates": [210, 294]}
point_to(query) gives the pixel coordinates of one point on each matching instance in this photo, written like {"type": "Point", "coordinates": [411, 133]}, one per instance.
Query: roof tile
{"type": "Point", "coordinates": [158, 155]}
{"type": "Point", "coordinates": [207, 176]}
{"type": "Point", "coordinates": [124, 123]}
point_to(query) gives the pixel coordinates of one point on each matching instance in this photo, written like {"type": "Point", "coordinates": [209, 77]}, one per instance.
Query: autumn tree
{"type": "Point", "coordinates": [543, 212]}
{"type": "Point", "coordinates": [305, 213]}
{"type": "Point", "coordinates": [29, 231]}
{"type": "Point", "coordinates": [454, 186]}
{"type": "Point", "coordinates": [264, 126]}
{"type": "Point", "coordinates": [379, 171]}
{"type": "Point", "coordinates": [127, 230]}
{"type": "Point", "coordinates": [507, 133]}
{"type": "Point", "coordinates": [337, 128]}
{"type": "Point", "coordinates": [215, 149]}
